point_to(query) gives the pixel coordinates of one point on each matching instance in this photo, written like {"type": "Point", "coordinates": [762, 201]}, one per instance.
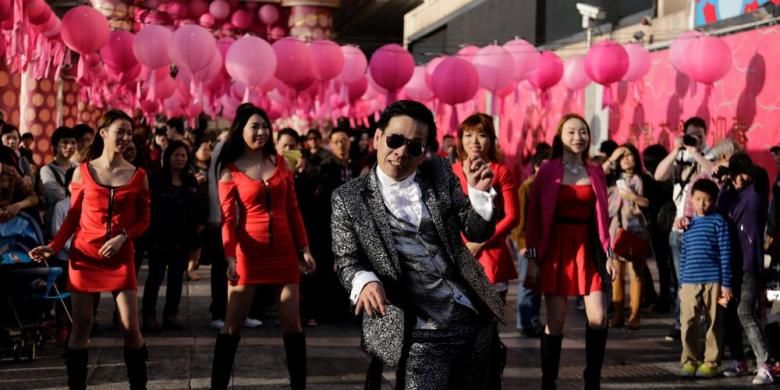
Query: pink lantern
{"type": "Point", "coordinates": [192, 47]}
{"type": "Point", "coordinates": [198, 8]}
{"type": "Point", "coordinates": [707, 59]}
{"type": "Point", "coordinates": [84, 29]}
{"type": "Point", "coordinates": [294, 61]}
{"type": "Point", "coordinates": [38, 12]}
{"type": "Point", "coordinates": [638, 62]}
{"type": "Point", "coordinates": [574, 75]}
{"type": "Point", "coordinates": [357, 89]}
{"type": "Point", "coordinates": [207, 20]}
{"type": "Point", "coordinates": [151, 46]}
{"type": "Point", "coordinates": [468, 52]}
{"type": "Point", "coordinates": [679, 49]}
{"type": "Point", "coordinates": [178, 10]}
{"type": "Point", "coordinates": [525, 55]}
{"type": "Point", "coordinates": [210, 73]}
{"type": "Point", "coordinates": [277, 33]}
{"type": "Point", "coordinates": [495, 67]}
{"type": "Point", "coordinates": [548, 73]}
{"type": "Point", "coordinates": [251, 60]}
{"type": "Point", "coordinates": [268, 14]}
{"type": "Point", "coordinates": [417, 88]}
{"type": "Point", "coordinates": [391, 67]}
{"type": "Point", "coordinates": [430, 67]}
{"type": "Point", "coordinates": [606, 62]}
{"type": "Point", "coordinates": [355, 64]}
{"type": "Point", "coordinates": [455, 68]}
{"type": "Point", "coordinates": [51, 28]}
{"type": "Point", "coordinates": [327, 59]}
{"type": "Point", "coordinates": [241, 19]}
{"type": "Point", "coordinates": [6, 10]}
{"type": "Point", "coordinates": [118, 52]}
{"type": "Point", "coordinates": [219, 9]}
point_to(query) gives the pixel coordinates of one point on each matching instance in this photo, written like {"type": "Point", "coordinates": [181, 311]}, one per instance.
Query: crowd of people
{"type": "Point", "coordinates": [401, 224]}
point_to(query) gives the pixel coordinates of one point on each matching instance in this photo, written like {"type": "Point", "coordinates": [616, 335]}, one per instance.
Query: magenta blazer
{"type": "Point", "coordinates": [544, 196]}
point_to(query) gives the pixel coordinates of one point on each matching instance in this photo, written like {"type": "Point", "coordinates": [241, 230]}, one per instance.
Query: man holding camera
{"type": "Point", "coordinates": [687, 159]}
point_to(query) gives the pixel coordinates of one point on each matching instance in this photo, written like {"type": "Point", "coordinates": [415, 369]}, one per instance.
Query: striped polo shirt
{"type": "Point", "coordinates": [706, 251]}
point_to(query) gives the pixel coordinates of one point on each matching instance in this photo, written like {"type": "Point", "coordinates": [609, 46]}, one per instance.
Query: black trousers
{"type": "Point", "coordinates": [175, 262]}
{"type": "Point", "coordinates": [212, 250]}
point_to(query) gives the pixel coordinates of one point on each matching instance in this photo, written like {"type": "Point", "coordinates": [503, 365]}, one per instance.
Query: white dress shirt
{"type": "Point", "coordinates": [404, 199]}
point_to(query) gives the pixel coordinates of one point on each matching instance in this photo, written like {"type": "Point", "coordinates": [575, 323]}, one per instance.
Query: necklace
{"type": "Point", "coordinates": [574, 169]}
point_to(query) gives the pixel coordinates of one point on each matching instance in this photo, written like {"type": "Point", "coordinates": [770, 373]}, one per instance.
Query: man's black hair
{"type": "Point", "coordinates": [161, 131]}
{"type": "Point", "coordinates": [608, 147]}
{"type": "Point", "coordinates": [314, 132]}
{"type": "Point", "coordinates": [740, 163]}
{"type": "Point", "coordinates": [288, 131]}
{"type": "Point", "coordinates": [61, 133]}
{"type": "Point", "coordinates": [337, 130]}
{"type": "Point", "coordinates": [541, 154]}
{"type": "Point", "coordinates": [177, 124]}
{"type": "Point", "coordinates": [706, 186]}
{"type": "Point", "coordinates": [412, 109]}
{"type": "Point", "coordinates": [695, 121]}
{"type": "Point", "coordinates": [82, 128]}
{"type": "Point", "coordinates": [26, 136]}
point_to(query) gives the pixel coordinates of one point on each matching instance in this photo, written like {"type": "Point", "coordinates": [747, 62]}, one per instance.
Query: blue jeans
{"type": "Point", "coordinates": [675, 244]}
{"type": "Point", "coordinates": [528, 301]}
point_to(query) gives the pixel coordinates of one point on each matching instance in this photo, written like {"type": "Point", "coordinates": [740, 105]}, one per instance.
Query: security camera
{"type": "Point", "coordinates": [591, 11]}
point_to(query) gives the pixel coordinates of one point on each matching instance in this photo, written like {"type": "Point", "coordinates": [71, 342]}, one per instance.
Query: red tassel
{"type": "Point", "coordinates": [454, 122]}
{"type": "Point", "coordinates": [606, 99]}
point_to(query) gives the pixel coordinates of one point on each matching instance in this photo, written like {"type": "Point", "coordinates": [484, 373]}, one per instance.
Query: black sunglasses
{"type": "Point", "coordinates": [395, 141]}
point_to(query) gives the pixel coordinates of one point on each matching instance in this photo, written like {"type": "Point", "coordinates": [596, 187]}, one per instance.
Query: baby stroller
{"type": "Point", "coordinates": [28, 291]}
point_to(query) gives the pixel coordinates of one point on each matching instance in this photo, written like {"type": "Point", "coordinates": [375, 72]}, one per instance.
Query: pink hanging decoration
{"type": "Point", "coordinates": [707, 59]}
{"type": "Point", "coordinates": [417, 88]}
{"type": "Point", "coordinates": [574, 75]}
{"type": "Point", "coordinates": [355, 64]}
{"type": "Point", "coordinates": [495, 67]}
{"type": "Point", "coordinates": [391, 67]}
{"type": "Point", "coordinates": [252, 61]}
{"type": "Point", "coordinates": [294, 62]}
{"type": "Point", "coordinates": [606, 63]}
{"type": "Point", "coordinates": [639, 62]}
{"type": "Point", "coordinates": [678, 50]}
{"type": "Point", "coordinates": [525, 55]}
{"type": "Point", "coordinates": [84, 29]}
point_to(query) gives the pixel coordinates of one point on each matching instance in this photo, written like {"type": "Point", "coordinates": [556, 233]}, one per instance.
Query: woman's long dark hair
{"type": "Point", "coordinates": [109, 117]}
{"type": "Point", "coordinates": [637, 161]}
{"type": "Point", "coordinates": [165, 172]}
{"type": "Point", "coordinates": [234, 144]}
{"type": "Point", "coordinates": [557, 146]}
{"type": "Point", "coordinates": [141, 153]}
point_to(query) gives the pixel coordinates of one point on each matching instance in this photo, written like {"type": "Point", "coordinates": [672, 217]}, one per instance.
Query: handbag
{"type": "Point", "coordinates": [628, 245]}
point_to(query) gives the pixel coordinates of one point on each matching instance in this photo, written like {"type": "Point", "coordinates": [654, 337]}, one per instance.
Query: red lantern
{"type": "Point", "coordinates": [84, 29]}
{"type": "Point", "coordinates": [707, 60]}
{"type": "Point", "coordinates": [606, 62]}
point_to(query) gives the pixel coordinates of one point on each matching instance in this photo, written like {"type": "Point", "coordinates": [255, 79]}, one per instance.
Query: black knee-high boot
{"type": "Point", "coordinates": [224, 355]}
{"type": "Point", "coordinates": [595, 346]}
{"type": "Point", "coordinates": [76, 364]}
{"type": "Point", "coordinates": [135, 360]}
{"type": "Point", "coordinates": [295, 348]}
{"type": "Point", "coordinates": [551, 360]}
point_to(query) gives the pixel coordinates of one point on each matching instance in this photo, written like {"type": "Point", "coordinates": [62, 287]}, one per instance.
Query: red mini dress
{"type": "Point", "coordinates": [262, 227]}
{"type": "Point", "coordinates": [98, 213]}
{"type": "Point", "coordinates": [497, 262]}
{"type": "Point", "coordinates": [568, 268]}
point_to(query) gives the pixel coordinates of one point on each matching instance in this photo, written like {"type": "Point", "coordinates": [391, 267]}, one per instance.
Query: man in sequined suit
{"type": "Point", "coordinates": [428, 308]}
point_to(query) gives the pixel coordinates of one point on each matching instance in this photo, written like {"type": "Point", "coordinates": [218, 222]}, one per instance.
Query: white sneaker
{"type": "Point", "coordinates": [252, 323]}
{"type": "Point", "coordinates": [763, 377]}
{"type": "Point", "coordinates": [217, 324]}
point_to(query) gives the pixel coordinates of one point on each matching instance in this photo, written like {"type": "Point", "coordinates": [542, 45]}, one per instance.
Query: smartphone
{"type": "Point", "coordinates": [292, 156]}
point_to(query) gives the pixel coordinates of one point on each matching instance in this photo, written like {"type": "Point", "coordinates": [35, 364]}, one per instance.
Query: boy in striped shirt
{"type": "Point", "coordinates": [705, 276]}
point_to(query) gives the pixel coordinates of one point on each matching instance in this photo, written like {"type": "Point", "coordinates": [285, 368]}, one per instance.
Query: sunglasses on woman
{"type": "Point", "coordinates": [395, 141]}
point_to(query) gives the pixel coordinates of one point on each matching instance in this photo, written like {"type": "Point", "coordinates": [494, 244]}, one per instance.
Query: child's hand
{"type": "Point", "coordinates": [725, 296]}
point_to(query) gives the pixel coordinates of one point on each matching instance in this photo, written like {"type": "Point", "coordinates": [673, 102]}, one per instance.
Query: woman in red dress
{"type": "Point", "coordinates": [477, 139]}
{"type": "Point", "coordinates": [569, 246]}
{"type": "Point", "coordinates": [109, 209]}
{"type": "Point", "coordinates": [264, 238]}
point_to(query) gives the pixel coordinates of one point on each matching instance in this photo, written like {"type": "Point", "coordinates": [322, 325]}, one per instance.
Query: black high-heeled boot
{"type": "Point", "coordinates": [551, 360]}
{"type": "Point", "coordinates": [295, 348]}
{"type": "Point", "coordinates": [135, 360]}
{"type": "Point", "coordinates": [222, 364]}
{"type": "Point", "coordinates": [76, 364]}
{"type": "Point", "coordinates": [595, 347]}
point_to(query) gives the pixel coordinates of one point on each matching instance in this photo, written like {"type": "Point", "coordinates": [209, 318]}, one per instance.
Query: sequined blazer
{"type": "Point", "coordinates": [362, 241]}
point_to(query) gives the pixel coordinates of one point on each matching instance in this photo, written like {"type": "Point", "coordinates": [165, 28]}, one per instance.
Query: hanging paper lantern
{"type": "Point", "coordinates": [639, 62]}
{"type": "Point", "coordinates": [268, 14]}
{"type": "Point", "coordinates": [118, 54]}
{"type": "Point", "coordinates": [327, 59]}
{"type": "Point", "coordinates": [708, 59]}
{"type": "Point", "coordinates": [192, 47]}
{"type": "Point", "coordinates": [150, 46]}
{"type": "Point", "coordinates": [574, 75]}
{"type": "Point", "coordinates": [606, 62]}
{"type": "Point", "coordinates": [468, 52]}
{"type": "Point", "coordinates": [455, 68]}
{"type": "Point", "coordinates": [417, 88]}
{"type": "Point", "coordinates": [241, 19]}
{"type": "Point", "coordinates": [219, 9]}
{"type": "Point", "coordinates": [294, 62]}
{"type": "Point", "coordinates": [525, 55]}
{"type": "Point", "coordinates": [679, 49]}
{"type": "Point", "coordinates": [84, 29]}
{"type": "Point", "coordinates": [391, 67]}
{"type": "Point", "coordinates": [355, 64]}
{"type": "Point", "coordinates": [548, 73]}
{"type": "Point", "coordinates": [251, 60]}
{"type": "Point", "coordinates": [495, 67]}
{"type": "Point", "coordinates": [430, 67]}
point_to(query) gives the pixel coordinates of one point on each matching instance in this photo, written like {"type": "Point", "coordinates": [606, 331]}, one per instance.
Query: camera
{"type": "Point", "coordinates": [720, 173]}
{"type": "Point", "coordinates": [689, 140]}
